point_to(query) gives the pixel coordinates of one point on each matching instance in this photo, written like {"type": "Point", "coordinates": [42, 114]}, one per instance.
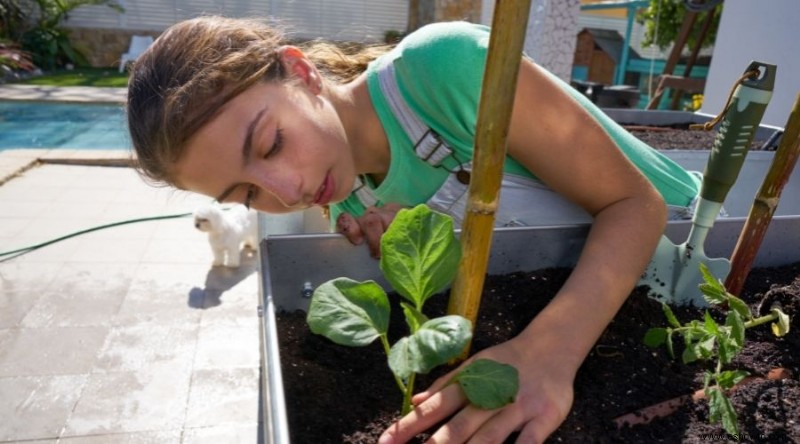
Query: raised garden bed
{"type": "Point", "coordinates": [620, 376]}
{"type": "Point", "coordinates": [338, 394]}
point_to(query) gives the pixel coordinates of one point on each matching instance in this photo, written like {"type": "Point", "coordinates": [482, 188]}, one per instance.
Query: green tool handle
{"type": "Point", "coordinates": [736, 132]}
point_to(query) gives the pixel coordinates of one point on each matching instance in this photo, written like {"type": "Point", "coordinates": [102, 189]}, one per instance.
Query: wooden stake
{"type": "Point", "coordinates": [765, 203]}
{"type": "Point", "coordinates": [494, 115]}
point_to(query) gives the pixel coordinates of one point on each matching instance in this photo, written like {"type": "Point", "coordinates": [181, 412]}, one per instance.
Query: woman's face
{"type": "Point", "coordinates": [279, 147]}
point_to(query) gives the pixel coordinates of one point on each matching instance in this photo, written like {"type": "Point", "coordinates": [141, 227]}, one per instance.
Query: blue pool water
{"type": "Point", "coordinates": [62, 125]}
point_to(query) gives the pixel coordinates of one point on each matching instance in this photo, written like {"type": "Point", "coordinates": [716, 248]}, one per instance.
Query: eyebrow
{"type": "Point", "coordinates": [247, 148]}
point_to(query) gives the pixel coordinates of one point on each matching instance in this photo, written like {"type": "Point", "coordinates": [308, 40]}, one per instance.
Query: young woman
{"type": "Point", "coordinates": [224, 108]}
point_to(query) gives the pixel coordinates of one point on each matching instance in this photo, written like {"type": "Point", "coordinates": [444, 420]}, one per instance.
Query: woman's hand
{"type": "Point", "coordinates": [543, 402]}
{"type": "Point", "coordinates": [370, 226]}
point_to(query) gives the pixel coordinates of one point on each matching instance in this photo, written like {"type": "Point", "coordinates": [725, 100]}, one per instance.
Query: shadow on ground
{"type": "Point", "coordinates": [221, 279]}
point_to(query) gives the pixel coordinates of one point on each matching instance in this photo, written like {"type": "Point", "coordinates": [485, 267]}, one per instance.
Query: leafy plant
{"type": "Point", "coordinates": [662, 21]}
{"type": "Point", "coordinates": [13, 58]}
{"type": "Point", "coordinates": [48, 42]}
{"type": "Point", "coordinates": [12, 18]}
{"type": "Point", "coordinates": [708, 340]}
{"type": "Point", "coordinates": [52, 48]}
{"type": "Point", "coordinates": [419, 257]}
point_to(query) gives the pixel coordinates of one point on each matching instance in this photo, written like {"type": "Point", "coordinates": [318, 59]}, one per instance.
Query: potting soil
{"type": "Point", "coordinates": [337, 394]}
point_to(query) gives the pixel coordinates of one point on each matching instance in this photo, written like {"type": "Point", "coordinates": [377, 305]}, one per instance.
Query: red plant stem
{"type": "Point", "coordinates": [765, 203]}
{"type": "Point", "coordinates": [670, 406]}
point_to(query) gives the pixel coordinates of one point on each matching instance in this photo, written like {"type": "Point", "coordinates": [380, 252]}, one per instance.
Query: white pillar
{"type": "Point", "coordinates": [551, 35]}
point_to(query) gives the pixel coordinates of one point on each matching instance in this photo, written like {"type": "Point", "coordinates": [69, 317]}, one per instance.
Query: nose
{"type": "Point", "coordinates": [286, 187]}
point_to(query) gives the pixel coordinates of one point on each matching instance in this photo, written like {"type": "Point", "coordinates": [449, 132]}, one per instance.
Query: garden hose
{"type": "Point", "coordinates": [20, 251]}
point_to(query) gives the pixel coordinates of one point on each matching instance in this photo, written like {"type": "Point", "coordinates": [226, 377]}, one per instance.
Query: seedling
{"type": "Point", "coordinates": [419, 258]}
{"type": "Point", "coordinates": [707, 340]}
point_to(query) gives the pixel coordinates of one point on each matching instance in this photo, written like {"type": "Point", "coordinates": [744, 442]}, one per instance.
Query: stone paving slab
{"type": "Point", "coordinates": [119, 335]}
{"type": "Point", "coordinates": [63, 94]}
{"type": "Point", "coordinates": [125, 334]}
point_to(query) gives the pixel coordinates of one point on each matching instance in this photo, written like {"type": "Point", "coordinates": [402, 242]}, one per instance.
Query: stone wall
{"type": "Point", "coordinates": [551, 35]}
{"type": "Point", "coordinates": [103, 47]}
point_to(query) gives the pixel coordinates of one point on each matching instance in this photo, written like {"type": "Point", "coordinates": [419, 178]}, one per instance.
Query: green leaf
{"type": "Point", "coordinates": [713, 295]}
{"type": "Point", "coordinates": [713, 290]}
{"type": "Point", "coordinates": [739, 306]}
{"type": "Point", "coordinates": [707, 377]}
{"type": "Point", "coordinates": [721, 409]}
{"type": "Point", "coordinates": [414, 317]}
{"type": "Point", "coordinates": [710, 324]}
{"type": "Point", "coordinates": [655, 337]}
{"type": "Point", "coordinates": [729, 378]}
{"type": "Point", "coordinates": [704, 349]}
{"type": "Point", "coordinates": [349, 312]}
{"type": "Point", "coordinates": [673, 321]}
{"type": "Point", "coordinates": [736, 323]}
{"type": "Point", "coordinates": [489, 384]}
{"type": "Point", "coordinates": [420, 253]}
{"type": "Point", "coordinates": [781, 327]}
{"type": "Point", "coordinates": [689, 355]}
{"type": "Point", "coordinates": [436, 342]}
{"type": "Point", "coordinates": [727, 350]}
{"type": "Point", "coordinates": [670, 348]}
{"type": "Point", "coordinates": [693, 332]}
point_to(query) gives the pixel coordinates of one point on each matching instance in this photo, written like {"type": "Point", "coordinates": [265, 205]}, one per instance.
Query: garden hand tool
{"type": "Point", "coordinates": [765, 202]}
{"type": "Point", "coordinates": [674, 271]}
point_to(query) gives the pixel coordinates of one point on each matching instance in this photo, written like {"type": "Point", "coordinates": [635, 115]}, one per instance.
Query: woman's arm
{"type": "Point", "coordinates": [557, 140]}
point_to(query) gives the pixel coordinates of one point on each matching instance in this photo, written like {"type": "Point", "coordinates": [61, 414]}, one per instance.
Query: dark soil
{"type": "Point", "coordinates": [679, 137]}
{"type": "Point", "coordinates": [337, 394]}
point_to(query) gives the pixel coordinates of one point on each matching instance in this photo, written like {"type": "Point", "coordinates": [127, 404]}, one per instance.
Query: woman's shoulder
{"type": "Point", "coordinates": [445, 39]}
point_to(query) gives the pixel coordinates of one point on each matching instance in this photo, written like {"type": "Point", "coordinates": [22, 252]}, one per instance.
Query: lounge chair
{"type": "Point", "coordinates": [138, 44]}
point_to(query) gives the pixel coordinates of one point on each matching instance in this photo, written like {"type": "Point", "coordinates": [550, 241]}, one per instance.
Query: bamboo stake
{"type": "Point", "coordinates": [765, 203]}
{"type": "Point", "coordinates": [494, 115]}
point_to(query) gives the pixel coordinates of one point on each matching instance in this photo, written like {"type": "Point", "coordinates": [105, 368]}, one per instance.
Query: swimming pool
{"type": "Point", "coordinates": [62, 125]}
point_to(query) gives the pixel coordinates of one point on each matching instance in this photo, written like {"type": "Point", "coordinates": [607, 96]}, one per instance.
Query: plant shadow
{"type": "Point", "coordinates": [220, 279]}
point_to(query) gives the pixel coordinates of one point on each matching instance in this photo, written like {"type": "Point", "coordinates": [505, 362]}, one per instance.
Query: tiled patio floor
{"type": "Point", "coordinates": [125, 334]}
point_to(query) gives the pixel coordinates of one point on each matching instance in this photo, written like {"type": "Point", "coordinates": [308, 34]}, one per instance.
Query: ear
{"type": "Point", "coordinates": [298, 66]}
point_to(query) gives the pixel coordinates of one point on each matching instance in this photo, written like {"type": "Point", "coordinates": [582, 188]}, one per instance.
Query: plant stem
{"type": "Point", "coordinates": [407, 394]}
{"type": "Point", "coordinates": [755, 322]}
{"type": "Point", "coordinates": [386, 348]}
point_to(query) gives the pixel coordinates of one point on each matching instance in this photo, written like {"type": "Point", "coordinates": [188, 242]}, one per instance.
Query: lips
{"type": "Point", "coordinates": [325, 192]}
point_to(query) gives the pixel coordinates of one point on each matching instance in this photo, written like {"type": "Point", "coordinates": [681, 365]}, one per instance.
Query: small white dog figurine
{"type": "Point", "coordinates": [228, 230]}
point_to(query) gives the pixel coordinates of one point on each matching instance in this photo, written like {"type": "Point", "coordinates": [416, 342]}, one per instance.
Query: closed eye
{"type": "Point", "coordinates": [277, 144]}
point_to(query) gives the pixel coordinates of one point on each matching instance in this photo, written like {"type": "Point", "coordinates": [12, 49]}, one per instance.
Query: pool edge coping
{"type": "Point", "coordinates": [20, 160]}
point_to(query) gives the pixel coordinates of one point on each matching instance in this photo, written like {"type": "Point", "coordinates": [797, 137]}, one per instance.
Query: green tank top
{"type": "Point", "coordinates": [439, 72]}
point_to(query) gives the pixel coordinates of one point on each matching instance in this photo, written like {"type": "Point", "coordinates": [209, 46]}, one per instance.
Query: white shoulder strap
{"type": "Point", "coordinates": [429, 146]}
{"type": "Point", "coordinates": [364, 193]}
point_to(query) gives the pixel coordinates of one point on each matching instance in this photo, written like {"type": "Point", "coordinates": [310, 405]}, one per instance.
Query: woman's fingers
{"type": "Point", "coordinates": [425, 415]}
{"type": "Point", "coordinates": [437, 385]}
{"type": "Point", "coordinates": [370, 226]}
{"type": "Point", "coordinates": [373, 224]}
{"type": "Point", "coordinates": [463, 426]}
{"type": "Point", "coordinates": [348, 226]}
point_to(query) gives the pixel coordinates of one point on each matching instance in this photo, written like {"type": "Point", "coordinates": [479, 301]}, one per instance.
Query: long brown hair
{"type": "Point", "coordinates": [196, 66]}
